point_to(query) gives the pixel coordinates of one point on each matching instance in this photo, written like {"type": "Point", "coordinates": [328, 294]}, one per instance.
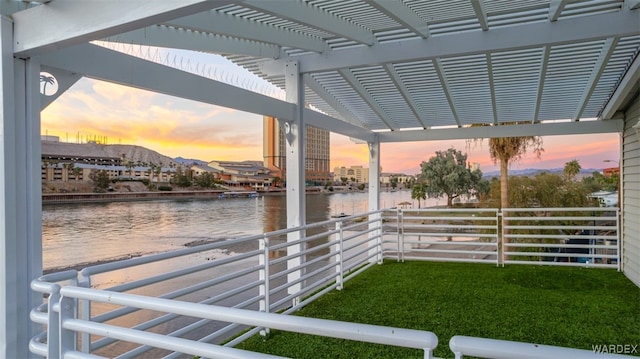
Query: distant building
{"type": "Point", "coordinates": [608, 172]}
{"type": "Point", "coordinates": [357, 174]}
{"type": "Point", "coordinates": [243, 174]}
{"type": "Point", "coordinates": [385, 178]}
{"type": "Point", "coordinates": [317, 152]}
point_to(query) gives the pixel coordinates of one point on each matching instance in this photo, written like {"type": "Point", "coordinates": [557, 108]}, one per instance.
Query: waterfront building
{"type": "Point", "coordinates": [317, 152]}
{"type": "Point", "coordinates": [250, 174]}
{"type": "Point", "coordinates": [386, 178]}
{"type": "Point", "coordinates": [359, 174]}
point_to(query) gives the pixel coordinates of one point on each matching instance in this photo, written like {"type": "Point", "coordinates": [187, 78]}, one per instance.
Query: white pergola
{"type": "Point", "coordinates": [374, 70]}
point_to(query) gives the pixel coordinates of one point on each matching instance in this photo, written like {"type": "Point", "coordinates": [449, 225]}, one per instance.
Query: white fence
{"type": "Point", "coordinates": [255, 274]}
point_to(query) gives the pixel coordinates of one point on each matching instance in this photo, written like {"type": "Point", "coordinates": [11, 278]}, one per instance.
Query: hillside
{"type": "Point", "coordinates": [130, 152]}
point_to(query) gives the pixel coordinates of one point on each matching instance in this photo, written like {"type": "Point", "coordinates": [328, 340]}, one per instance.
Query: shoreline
{"type": "Point", "coordinates": [84, 197]}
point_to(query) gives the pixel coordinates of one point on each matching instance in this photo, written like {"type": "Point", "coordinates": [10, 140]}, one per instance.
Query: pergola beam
{"type": "Point", "coordinates": [446, 88]}
{"type": "Point", "coordinates": [398, 11]}
{"type": "Point", "coordinates": [625, 89]}
{"type": "Point", "coordinates": [632, 4]}
{"type": "Point", "coordinates": [224, 24]}
{"type": "Point", "coordinates": [303, 13]}
{"type": "Point", "coordinates": [555, 9]}
{"type": "Point", "coordinates": [316, 87]}
{"type": "Point", "coordinates": [163, 36]}
{"type": "Point", "coordinates": [492, 89]}
{"type": "Point", "coordinates": [64, 23]}
{"type": "Point", "coordinates": [544, 62]}
{"type": "Point", "coordinates": [481, 14]}
{"type": "Point", "coordinates": [366, 96]}
{"type": "Point", "coordinates": [526, 36]}
{"type": "Point", "coordinates": [406, 95]}
{"type": "Point", "coordinates": [108, 65]}
{"type": "Point", "coordinates": [537, 129]}
{"type": "Point", "coordinates": [598, 68]}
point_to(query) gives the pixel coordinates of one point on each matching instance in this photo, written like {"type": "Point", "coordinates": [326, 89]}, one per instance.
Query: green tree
{"type": "Point", "coordinates": [571, 169]}
{"type": "Point", "coordinates": [344, 180]}
{"type": "Point", "coordinates": [419, 191]}
{"type": "Point", "coordinates": [205, 180]}
{"type": "Point", "coordinates": [447, 174]}
{"type": "Point", "coordinates": [100, 180]}
{"type": "Point", "coordinates": [394, 182]}
{"type": "Point", "coordinates": [181, 178]}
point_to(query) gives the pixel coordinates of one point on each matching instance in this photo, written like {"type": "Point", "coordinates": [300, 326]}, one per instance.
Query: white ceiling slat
{"type": "Point", "coordinates": [163, 36]}
{"type": "Point", "coordinates": [478, 7]}
{"type": "Point", "coordinates": [64, 23]}
{"type": "Point", "coordinates": [301, 12]}
{"type": "Point", "coordinates": [567, 31]}
{"type": "Point", "coordinates": [406, 94]}
{"type": "Point", "coordinates": [555, 9]}
{"type": "Point", "coordinates": [398, 11]}
{"type": "Point", "coordinates": [598, 68]}
{"type": "Point", "coordinates": [220, 23]}
{"type": "Point", "coordinates": [357, 86]}
{"type": "Point", "coordinates": [437, 65]}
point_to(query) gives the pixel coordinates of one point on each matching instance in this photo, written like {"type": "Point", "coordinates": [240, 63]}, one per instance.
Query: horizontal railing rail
{"type": "Point", "coordinates": [256, 272]}
{"type": "Point", "coordinates": [562, 236]}
{"type": "Point", "coordinates": [504, 349]}
{"type": "Point", "coordinates": [408, 338]}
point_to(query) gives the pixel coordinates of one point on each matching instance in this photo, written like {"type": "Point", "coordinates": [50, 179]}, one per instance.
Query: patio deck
{"type": "Point", "coordinates": [561, 306]}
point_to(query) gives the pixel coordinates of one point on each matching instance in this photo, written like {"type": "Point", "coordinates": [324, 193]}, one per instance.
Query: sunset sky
{"type": "Point", "coordinates": [176, 127]}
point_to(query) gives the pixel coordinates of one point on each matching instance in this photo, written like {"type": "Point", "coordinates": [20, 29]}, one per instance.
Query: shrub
{"type": "Point", "coordinates": [165, 188]}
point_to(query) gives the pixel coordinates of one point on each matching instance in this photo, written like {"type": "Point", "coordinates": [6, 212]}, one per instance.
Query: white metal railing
{"type": "Point", "coordinates": [252, 273]}
{"type": "Point", "coordinates": [351, 331]}
{"type": "Point", "coordinates": [504, 349]}
{"type": "Point", "coordinates": [562, 236]}
{"type": "Point", "coordinates": [453, 234]}
{"type": "Point", "coordinates": [246, 273]}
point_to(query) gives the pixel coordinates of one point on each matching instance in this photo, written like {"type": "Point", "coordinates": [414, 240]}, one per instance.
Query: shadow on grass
{"type": "Point", "coordinates": [571, 307]}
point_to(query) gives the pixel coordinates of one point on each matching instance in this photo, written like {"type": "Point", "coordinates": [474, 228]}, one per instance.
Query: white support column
{"type": "Point", "coordinates": [375, 244]}
{"type": "Point", "coordinates": [295, 136]}
{"type": "Point", "coordinates": [20, 195]}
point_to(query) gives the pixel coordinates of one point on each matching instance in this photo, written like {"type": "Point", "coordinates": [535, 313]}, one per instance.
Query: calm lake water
{"type": "Point", "coordinates": [89, 232]}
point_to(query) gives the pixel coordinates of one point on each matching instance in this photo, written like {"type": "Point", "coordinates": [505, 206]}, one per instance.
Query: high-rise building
{"type": "Point", "coordinates": [317, 152]}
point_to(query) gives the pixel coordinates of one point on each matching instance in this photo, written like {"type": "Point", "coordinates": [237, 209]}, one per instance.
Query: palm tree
{"type": "Point", "coordinates": [419, 191]}
{"type": "Point", "coordinates": [68, 168]}
{"type": "Point", "coordinates": [507, 150]}
{"type": "Point", "coordinates": [76, 173]}
{"type": "Point", "coordinates": [571, 169]}
{"type": "Point", "coordinates": [48, 80]}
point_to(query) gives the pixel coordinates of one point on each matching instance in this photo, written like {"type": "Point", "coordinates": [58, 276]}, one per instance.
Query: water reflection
{"type": "Point", "coordinates": [85, 233]}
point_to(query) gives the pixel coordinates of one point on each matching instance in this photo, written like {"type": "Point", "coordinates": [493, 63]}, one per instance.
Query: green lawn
{"type": "Point", "coordinates": [572, 307]}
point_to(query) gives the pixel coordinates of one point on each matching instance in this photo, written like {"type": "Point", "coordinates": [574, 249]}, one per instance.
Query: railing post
{"type": "Point", "coordinates": [263, 274]}
{"type": "Point", "coordinates": [619, 240]}
{"type": "Point", "coordinates": [400, 235]}
{"type": "Point", "coordinates": [84, 281]}
{"type": "Point", "coordinates": [339, 257]}
{"type": "Point", "coordinates": [67, 337]}
{"type": "Point", "coordinates": [501, 248]}
{"type": "Point", "coordinates": [53, 325]}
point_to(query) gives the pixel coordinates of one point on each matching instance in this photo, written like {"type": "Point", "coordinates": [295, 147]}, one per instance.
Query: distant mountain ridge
{"type": "Point", "coordinates": [190, 161]}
